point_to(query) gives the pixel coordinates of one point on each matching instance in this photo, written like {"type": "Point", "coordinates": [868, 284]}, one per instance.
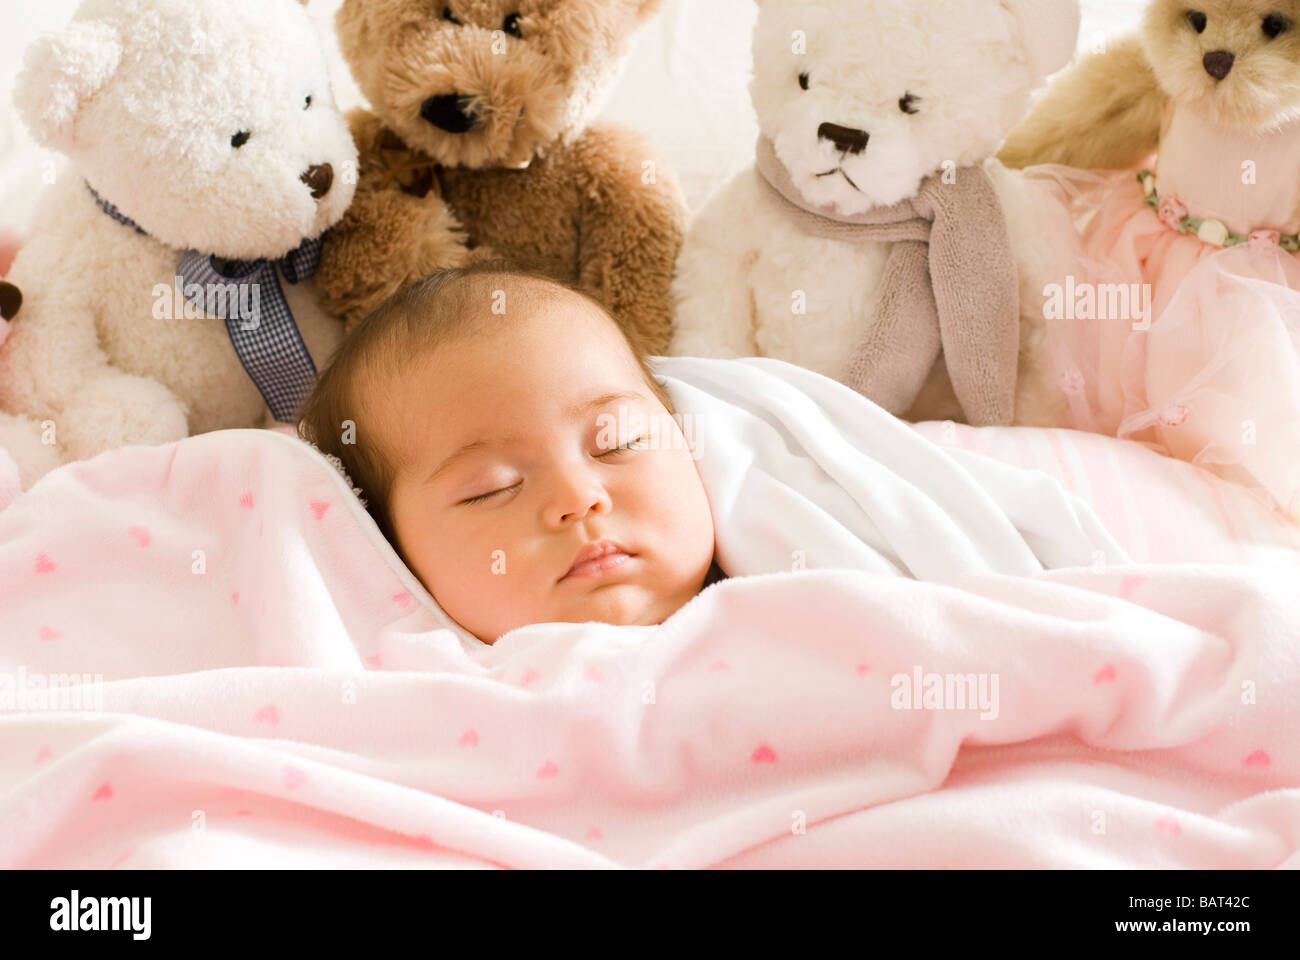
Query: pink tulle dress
{"type": "Point", "coordinates": [1204, 363]}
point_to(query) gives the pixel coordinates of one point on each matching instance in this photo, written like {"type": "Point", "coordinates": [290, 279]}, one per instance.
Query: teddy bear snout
{"type": "Point", "coordinates": [1219, 63]}
{"type": "Point", "coordinates": [11, 299]}
{"type": "Point", "coordinates": [450, 112]}
{"type": "Point", "coordinates": [846, 139]}
{"type": "Point", "coordinates": [320, 178]}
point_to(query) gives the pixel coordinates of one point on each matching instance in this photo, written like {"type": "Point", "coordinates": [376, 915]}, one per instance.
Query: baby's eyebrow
{"type": "Point", "coordinates": [578, 409]}
{"type": "Point", "coordinates": [462, 453]}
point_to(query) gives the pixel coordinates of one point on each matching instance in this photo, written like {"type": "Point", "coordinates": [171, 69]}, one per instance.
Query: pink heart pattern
{"type": "Point", "coordinates": [1169, 825]}
{"type": "Point", "coordinates": [763, 754]}
{"type": "Point", "coordinates": [44, 564]}
{"type": "Point", "coordinates": [1105, 675]}
{"type": "Point", "coordinates": [246, 501]}
{"type": "Point", "coordinates": [105, 792]}
{"type": "Point", "coordinates": [141, 535]}
{"type": "Point", "coordinates": [547, 770]}
{"type": "Point", "coordinates": [293, 777]}
{"type": "Point", "coordinates": [44, 755]}
{"type": "Point", "coordinates": [402, 599]}
{"type": "Point", "coordinates": [268, 715]}
{"type": "Point", "coordinates": [318, 507]}
{"type": "Point", "coordinates": [48, 634]}
{"type": "Point", "coordinates": [1130, 584]}
{"type": "Point", "coordinates": [469, 738]}
{"type": "Point", "coordinates": [1257, 759]}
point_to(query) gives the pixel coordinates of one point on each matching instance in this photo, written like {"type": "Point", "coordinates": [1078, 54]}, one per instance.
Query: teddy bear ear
{"type": "Point", "coordinates": [61, 72]}
{"type": "Point", "coordinates": [645, 9]}
{"type": "Point", "coordinates": [1049, 32]}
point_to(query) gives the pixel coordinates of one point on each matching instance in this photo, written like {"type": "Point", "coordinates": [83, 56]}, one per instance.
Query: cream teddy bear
{"type": "Point", "coordinates": [166, 273]}
{"type": "Point", "coordinates": [875, 240]}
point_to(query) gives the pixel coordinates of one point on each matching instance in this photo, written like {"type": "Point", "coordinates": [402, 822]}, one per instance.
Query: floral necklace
{"type": "Point", "coordinates": [1214, 232]}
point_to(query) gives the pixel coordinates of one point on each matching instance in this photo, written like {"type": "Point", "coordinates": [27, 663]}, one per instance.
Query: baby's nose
{"type": "Point", "coordinates": [595, 505]}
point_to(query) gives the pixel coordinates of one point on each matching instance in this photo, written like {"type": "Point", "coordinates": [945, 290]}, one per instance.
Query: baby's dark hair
{"type": "Point", "coordinates": [410, 325]}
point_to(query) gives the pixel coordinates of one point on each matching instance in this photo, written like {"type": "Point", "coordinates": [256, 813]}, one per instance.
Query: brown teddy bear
{"type": "Point", "coordinates": [481, 143]}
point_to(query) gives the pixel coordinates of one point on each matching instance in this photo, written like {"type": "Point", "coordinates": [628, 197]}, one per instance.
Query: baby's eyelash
{"type": "Point", "coordinates": [627, 446]}
{"type": "Point", "coordinates": [631, 444]}
{"type": "Point", "coordinates": [487, 496]}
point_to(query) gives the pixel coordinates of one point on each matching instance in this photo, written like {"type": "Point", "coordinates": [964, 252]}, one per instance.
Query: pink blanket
{"type": "Point", "coordinates": [260, 682]}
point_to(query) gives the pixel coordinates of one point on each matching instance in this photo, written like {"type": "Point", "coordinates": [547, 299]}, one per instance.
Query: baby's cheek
{"type": "Point", "coordinates": [680, 508]}
{"type": "Point", "coordinates": [487, 586]}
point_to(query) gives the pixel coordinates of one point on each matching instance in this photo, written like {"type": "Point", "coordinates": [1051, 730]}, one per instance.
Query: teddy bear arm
{"type": "Point", "coordinates": [713, 289]}
{"type": "Point", "coordinates": [386, 240]}
{"type": "Point", "coordinates": [631, 225]}
{"type": "Point", "coordinates": [54, 369]}
{"type": "Point", "coordinates": [1103, 113]}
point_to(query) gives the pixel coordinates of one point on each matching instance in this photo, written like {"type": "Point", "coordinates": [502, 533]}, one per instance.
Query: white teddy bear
{"type": "Point", "coordinates": [867, 242]}
{"type": "Point", "coordinates": [208, 158]}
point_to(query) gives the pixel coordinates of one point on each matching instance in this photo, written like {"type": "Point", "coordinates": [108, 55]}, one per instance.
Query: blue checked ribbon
{"type": "Point", "coordinates": [265, 337]}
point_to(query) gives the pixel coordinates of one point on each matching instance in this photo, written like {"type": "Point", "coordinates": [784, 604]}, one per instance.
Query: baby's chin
{"type": "Point", "coordinates": [620, 604]}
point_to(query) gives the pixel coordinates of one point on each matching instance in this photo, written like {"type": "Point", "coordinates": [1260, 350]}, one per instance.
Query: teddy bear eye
{"type": "Point", "coordinates": [1198, 20]}
{"type": "Point", "coordinates": [1275, 24]}
{"type": "Point", "coordinates": [910, 104]}
{"type": "Point", "coordinates": [511, 26]}
{"type": "Point", "coordinates": [449, 16]}
{"type": "Point", "coordinates": [803, 80]}
{"type": "Point", "coordinates": [307, 105]}
{"type": "Point", "coordinates": [239, 139]}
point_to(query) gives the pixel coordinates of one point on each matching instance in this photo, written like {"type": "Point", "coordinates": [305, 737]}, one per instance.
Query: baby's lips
{"type": "Point", "coordinates": [594, 551]}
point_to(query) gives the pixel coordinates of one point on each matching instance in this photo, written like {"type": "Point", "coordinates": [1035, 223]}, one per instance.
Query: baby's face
{"type": "Point", "coordinates": [511, 464]}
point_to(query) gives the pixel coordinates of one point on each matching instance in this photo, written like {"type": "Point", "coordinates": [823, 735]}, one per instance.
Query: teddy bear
{"type": "Point", "coordinates": [875, 240]}
{"type": "Point", "coordinates": [486, 108]}
{"type": "Point", "coordinates": [166, 276]}
{"type": "Point", "coordinates": [1210, 371]}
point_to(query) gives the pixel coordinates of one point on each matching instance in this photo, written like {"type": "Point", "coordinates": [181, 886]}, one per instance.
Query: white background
{"type": "Point", "coordinates": [686, 86]}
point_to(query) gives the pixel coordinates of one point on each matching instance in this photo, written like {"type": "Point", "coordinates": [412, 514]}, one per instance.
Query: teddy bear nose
{"type": "Point", "coordinates": [1219, 63]}
{"type": "Point", "coordinates": [11, 300]}
{"type": "Point", "coordinates": [450, 112]}
{"type": "Point", "coordinates": [320, 178]}
{"type": "Point", "coordinates": [847, 139]}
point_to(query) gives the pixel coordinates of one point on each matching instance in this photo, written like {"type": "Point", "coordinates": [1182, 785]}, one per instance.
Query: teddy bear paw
{"type": "Point", "coordinates": [120, 411]}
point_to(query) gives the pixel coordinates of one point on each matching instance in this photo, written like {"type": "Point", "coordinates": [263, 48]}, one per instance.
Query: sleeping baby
{"type": "Point", "coordinates": [477, 411]}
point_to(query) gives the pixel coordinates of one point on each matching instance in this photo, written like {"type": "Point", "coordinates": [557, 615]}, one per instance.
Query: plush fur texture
{"type": "Point", "coordinates": [929, 84]}
{"type": "Point", "coordinates": [146, 97]}
{"type": "Point", "coordinates": [1109, 110]}
{"type": "Point", "coordinates": [482, 143]}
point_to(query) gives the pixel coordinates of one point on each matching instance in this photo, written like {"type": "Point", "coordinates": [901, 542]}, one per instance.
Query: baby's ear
{"type": "Point", "coordinates": [61, 73]}
{"type": "Point", "coordinates": [1049, 33]}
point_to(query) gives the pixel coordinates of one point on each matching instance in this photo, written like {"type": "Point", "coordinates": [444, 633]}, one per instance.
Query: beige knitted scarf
{"type": "Point", "coordinates": [950, 286]}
